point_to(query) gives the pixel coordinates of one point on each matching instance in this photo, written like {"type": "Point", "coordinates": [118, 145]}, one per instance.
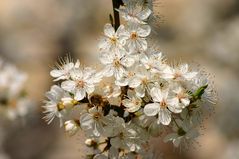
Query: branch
{"type": "Point", "coordinates": [116, 5]}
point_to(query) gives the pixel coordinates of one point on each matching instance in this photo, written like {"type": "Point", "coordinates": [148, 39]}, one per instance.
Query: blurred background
{"type": "Point", "coordinates": [33, 34]}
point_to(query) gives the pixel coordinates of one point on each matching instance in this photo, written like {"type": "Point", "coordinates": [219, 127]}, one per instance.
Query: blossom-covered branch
{"type": "Point", "coordinates": [136, 93]}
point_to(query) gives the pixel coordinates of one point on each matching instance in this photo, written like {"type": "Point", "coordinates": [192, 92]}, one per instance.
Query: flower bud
{"type": "Point", "coordinates": [71, 127]}
{"type": "Point", "coordinates": [91, 143]}
{"type": "Point", "coordinates": [67, 102]}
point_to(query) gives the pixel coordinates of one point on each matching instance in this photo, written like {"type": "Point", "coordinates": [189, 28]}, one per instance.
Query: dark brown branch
{"type": "Point", "coordinates": [116, 5]}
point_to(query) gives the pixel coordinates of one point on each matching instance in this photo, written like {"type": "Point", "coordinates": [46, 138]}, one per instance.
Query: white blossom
{"type": "Point", "coordinates": [55, 106]}
{"type": "Point", "coordinates": [180, 97]}
{"type": "Point", "coordinates": [116, 65]}
{"type": "Point", "coordinates": [137, 34]}
{"type": "Point", "coordinates": [93, 122]}
{"type": "Point", "coordinates": [179, 73]}
{"type": "Point", "coordinates": [141, 81]}
{"type": "Point", "coordinates": [113, 40]}
{"type": "Point", "coordinates": [153, 62]}
{"type": "Point", "coordinates": [132, 13]}
{"type": "Point", "coordinates": [160, 106]}
{"type": "Point", "coordinates": [62, 72]}
{"type": "Point", "coordinates": [125, 136]}
{"type": "Point", "coordinates": [183, 132]}
{"type": "Point", "coordinates": [132, 103]}
{"type": "Point", "coordinates": [111, 91]}
{"type": "Point", "coordinates": [143, 95]}
{"type": "Point", "coordinates": [82, 81]}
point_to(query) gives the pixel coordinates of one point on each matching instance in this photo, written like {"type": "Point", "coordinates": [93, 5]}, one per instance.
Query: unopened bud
{"type": "Point", "coordinates": [71, 127]}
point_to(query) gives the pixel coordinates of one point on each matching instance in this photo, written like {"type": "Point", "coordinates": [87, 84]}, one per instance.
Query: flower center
{"type": "Point", "coordinates": [163, 104]}
{"type": "Point", "coordinates": [121, 135]}
{"type": "Point", "coordinates": [177, 75]}
{"type": "Point", "coordinates": [60, 106]}
{"type": "Point", "coordinates": [97, 116]}
{"type": "Point", "coordinates": [144, 81]}
{"type": "Point", "coordinates": [134, 36]}
{"type": "Point", "coordinates": [181, 95]}
{"type": "Point", "coordinates": [131, 74]}
{"type": "Point", "coordinates": [117, 63]}
{"type": "Point", "coordinates": [113, 40]}
{"type": "Point", "coordinates": [80, 84]}
{"type": "Point", "coordinates": [136, 102]}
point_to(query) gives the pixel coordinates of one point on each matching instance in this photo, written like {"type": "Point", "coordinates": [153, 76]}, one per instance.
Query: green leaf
{"type": "Point", "coordinates": [200, 91]}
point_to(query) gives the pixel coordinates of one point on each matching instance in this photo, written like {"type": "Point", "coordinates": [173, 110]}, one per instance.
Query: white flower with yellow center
{"type": "Point", "coordinates": [160, 106]}
{"type": "Point", "coordinates": [111, 91]}
{"type": "Point", "coordinates": [58, 104]}
{"type": "Point", "coordinates": [116, 65]}
{"type": "Point", "coordinates": [82, 81]}
{"type": "Point", "coordinates": [136, 40]}
{"type": "Point", "coordinates": [141, 81]}
{"type": "Point", "coordinates": [153, 61]}
{"type": "Point", "coordinates": [113, 41]}
{"type": "Point", "coordinates": [180, 97]}
{"type": "Point", "coordinates": [93, 122]}
{"type": "Point", "coordinates": [134, 13]}
{"type": "Point", "coordinates": [62, 72]}
{"type": "Point", "coordinates": [179, 73]}
{"type": "Point", "coordinates": [132, 103]}
{"type": "Point", "coordinates": [128, 76]}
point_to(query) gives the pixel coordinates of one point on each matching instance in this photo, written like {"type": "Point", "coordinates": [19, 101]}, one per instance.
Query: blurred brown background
{"type": "Point", "coordinates": [33, 34]}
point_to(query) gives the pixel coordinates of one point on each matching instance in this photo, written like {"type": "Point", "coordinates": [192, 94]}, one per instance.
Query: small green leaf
{"type": "Point", "coordinates": [198, 94]}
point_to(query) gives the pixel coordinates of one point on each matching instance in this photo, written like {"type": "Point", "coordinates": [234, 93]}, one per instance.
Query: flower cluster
{"type": "Point", "coordinates": [13, 100]}
{"type": "Point", "coordinates": [143, 94]}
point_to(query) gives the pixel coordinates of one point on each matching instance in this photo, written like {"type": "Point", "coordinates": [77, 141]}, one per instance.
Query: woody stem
{"type": "Point", "coordinates": [116, 5]}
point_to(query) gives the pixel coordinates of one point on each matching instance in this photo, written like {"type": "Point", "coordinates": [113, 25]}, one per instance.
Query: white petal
{"type": "Point", "coordinates": [140, 91]}
{"type": "Point", "coordinates": [144, 30]}
{"type": "Point", "coordinates": [127, 103]}
{"type": "Point", "coordinates": [168, 73]}
{"type": "Point", "coordinates": [103, 44]}
{"type": "Point", "coordinates": [119, 73]}
{"type": "Point", "coordinates": [183, 68]}
{"type": "Point", "coordinates": [68, 86]}
{"type": "Point", "coordinates": [86, 121]}
{"type": "Point", "coordinates": [68, 66]}
{"type": "Point", "coordinates": [109, 30]}
{"type": "Point", "coordinates": [90, 89]}
{"type": "Point", "coordinates": [142, 44]}
{"type": "Point", "coordinates": [77, 74]}
{"type": "Point", "coordinates": [144, 14]}
{"type": "Point", "coordinates": [156, 94]}
{"type": "Point", "coordinates": [108, 71]}
{"type": "Point", "coordinates": [106, 58]}
{"type": "Point", "coordinates": [151, 109]}
{"type": "Point", "coordinates": [56, 73]}
{"type": "Point", "coordinates": [127, 61]}
{"type": "Point", "coordinates": [80, 94]}
{"type": "Point", "coordinates": [189, 75]}
{"type": "Point", "coordinates": [185, 101]}
{"type": "Point", "coordinates": [132, 45]}
{"type": "Point", "coordinates": [175, 108]}
{"type": "Point", "coordinates": [164, 117]}
{"type": "Point", "coordinates": [133, 109]}
{"type": "Point", "coordinates": [135, 82]}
